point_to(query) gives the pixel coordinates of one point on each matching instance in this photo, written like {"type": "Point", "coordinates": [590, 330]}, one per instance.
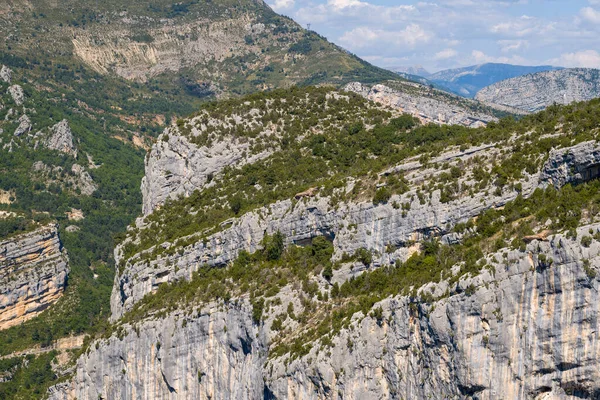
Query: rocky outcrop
{"type": "Point", "coordinates": [429, 105]}
{"type": "Point", "coordinates": [17, 94]}
{"type": "Point", "coordinates": [573, 165]}
{"type": "Point", "coordinates": [351, 226]}
{"type": "Point", "coordinates": [526, 327]}
{"type": "Point", "coordinates": [537, 91]}
{"type": "Point", "coordinates": [61, 138]}
{"type": "Point", "coordinates": [33, 274]}
{"type": "Point", "coordinates": [24, 126]}
{"type": "Point", "coordinates": [6, 74]}
{"type": "Point", "coordinates": [176, 167]}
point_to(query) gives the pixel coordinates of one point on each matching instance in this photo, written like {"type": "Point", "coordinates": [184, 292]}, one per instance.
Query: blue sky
{"type": "Point", "coordinates": [452, 33]}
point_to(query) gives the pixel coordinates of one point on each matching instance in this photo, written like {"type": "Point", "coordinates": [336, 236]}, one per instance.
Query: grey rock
{"type": "Point", "coordinates": [213, 352]}
{"type": "Point", "coordinates": [33, 274]}
{"type": "Point", "coordinates": [6, 74]}
{"type": "Point", "coordinates": [83, 180]}
{"type": "Point", "coordinates": [573, 165]}
{"type": "Point", "coordinates": [537, 91]}
{"type": "Point", "coordinates": [24, 126]}
{"type": "Point", "coordinates": [17, 94]}
{"type": "Point", "coordinates": [429, 105]}
{"type": "Point", "coordinates": [528, 329]}
{"type": "Point", "coordinates": [61, 138]}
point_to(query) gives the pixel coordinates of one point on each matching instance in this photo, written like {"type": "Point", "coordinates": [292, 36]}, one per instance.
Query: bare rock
{"type": "Point", "coordinates": [24, 126]}
{"type": "Point", "coordinates": [6, 74]}
{"type": "Point", "coordinates": [61, 138]}
{"type": "Point", "coordinates": [33, 274]}
{"type": "Point", "coordinates": [17, 94]}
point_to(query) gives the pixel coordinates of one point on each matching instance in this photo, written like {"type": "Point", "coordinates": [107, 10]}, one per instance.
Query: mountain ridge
{"type": "Point", "coordinates": [534, 92]}
{"type": "Point", "coordinates": [467, 81]}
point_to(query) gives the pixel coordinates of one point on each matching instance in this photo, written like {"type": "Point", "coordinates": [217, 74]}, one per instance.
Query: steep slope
{"type": "Point", "coordinates": [206, 49]}
{"type": "Point", "coordinates": [33, 274]}
{"type": "Point", "coordinates": [354, 253]}
{"type": "Point", "coordinates": [535, 92]}
{"type": "Point", "coordinates": [61, 159]}
{"type": "Point", "coordinates": [468, 81]}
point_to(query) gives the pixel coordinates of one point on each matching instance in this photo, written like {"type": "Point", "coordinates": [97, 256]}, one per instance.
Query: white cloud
{"type": "Point", "coordinates": [341, 4]}
{"type": "Point", "coordinates": [479, 57]}
{"type": "Point", "coordinates": [407, 38]}
{"type": "Point", "coordinates": [584, 59]}
{"type": "Point", "coordinates": [478, 30]}
{"type": "Point", "coordinates": [282, 5]}
{"type": "Point", "coordinates": [591, 15]}
{"type": "Point", "coordinates": [509, 46]}
{"type": "Point", "coordinates": [445, 54]}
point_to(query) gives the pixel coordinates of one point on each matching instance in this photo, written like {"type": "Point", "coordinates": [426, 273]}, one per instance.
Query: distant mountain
{"type": "Point", "coordinates": [412, 70]}
{"type": "Point", "coordinates": [534, 92]}
{"type": "Point", "coordinates": [468, 81]}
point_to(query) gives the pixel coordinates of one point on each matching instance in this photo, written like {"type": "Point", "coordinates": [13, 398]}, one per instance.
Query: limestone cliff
{"type": "Point", "coordinates": [33, 274]}
{"type": "Point", "coordinates": [537, 91]}
{"type": "Point", "coordinates": [514, 318]}
{"type": "Point", "coordinates": [526, 329]}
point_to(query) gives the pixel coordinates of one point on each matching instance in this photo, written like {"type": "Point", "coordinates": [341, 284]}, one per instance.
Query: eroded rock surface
{"type": "Point", "coordinates": [537, 91]}
{"type": "Point", "coordinates": [527, 328]}
{"type": "Point", "coordinates": [33, 274]}
{"type": "Point", "coordinates": [61, 138]}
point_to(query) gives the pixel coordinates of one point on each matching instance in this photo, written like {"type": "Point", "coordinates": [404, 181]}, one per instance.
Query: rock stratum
{"type": "Point", "coordinates": [514, 316]}
{"type": "Point", "coordinates": [33, 274]}
{"type": "Point", "coordinates": [534, 92]}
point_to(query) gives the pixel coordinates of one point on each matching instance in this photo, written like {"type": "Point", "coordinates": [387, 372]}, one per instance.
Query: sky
{"type": "Point", "coordinates": [446, 34]}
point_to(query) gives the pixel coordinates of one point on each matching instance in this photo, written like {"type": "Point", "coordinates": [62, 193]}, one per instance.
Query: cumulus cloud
{"type": "Point", "coordinates": [509, 46]}
{"type": "Point", "coordinates": [282, 5]}
{"type": "Point", "coordinates": [408, 37]}
{"type": "Point", "coordinates": [591, 15]}
{"type": "Point", "coordinates": [445, 54]}
{"type": "Point", "coordinates": [426, 32]}
{"type": "Point", "coordinates": [585, 59]}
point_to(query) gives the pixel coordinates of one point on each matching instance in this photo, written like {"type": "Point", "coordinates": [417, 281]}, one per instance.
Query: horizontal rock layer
{"type": "Point", "coordinates": [526, 329]}
{"type": "Point", "coordinates": [33, 274]}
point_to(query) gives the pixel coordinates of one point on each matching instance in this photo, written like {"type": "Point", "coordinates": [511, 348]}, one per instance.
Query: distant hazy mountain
{"type": "Point", "coordinates": [537, 91]}
{"type": "Point", "coordinates": [468, 81]}
{"type": "Point", "coordinates": [412, 70]}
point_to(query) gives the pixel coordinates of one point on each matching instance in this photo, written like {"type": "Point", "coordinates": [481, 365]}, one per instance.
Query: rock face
{"type": "Point", "coordinates": [216, 353]}
{"type": "Point", "coordinates": [351, 226]}
{"type": "Point", "coordinates": [17, 94]}
{"type": "Point", "coordinates": [61, 138]}
{"type": "Point", "coordinates": [6, 74]}
{"type": "Point", "coordinates": [573, 165]}
{"type": "Point", "coordinates": [424, 104]}
{"type": "Point", "coordinates": [24, 126]}
{"type": "Point", "coordinates": [175, 167]}
{"type": "Point", "coordinates": [526, 329]}
{"type": "Point", "coordinates": [33, 274]}
{"type": "Point", "coordinates": [537, 91]}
